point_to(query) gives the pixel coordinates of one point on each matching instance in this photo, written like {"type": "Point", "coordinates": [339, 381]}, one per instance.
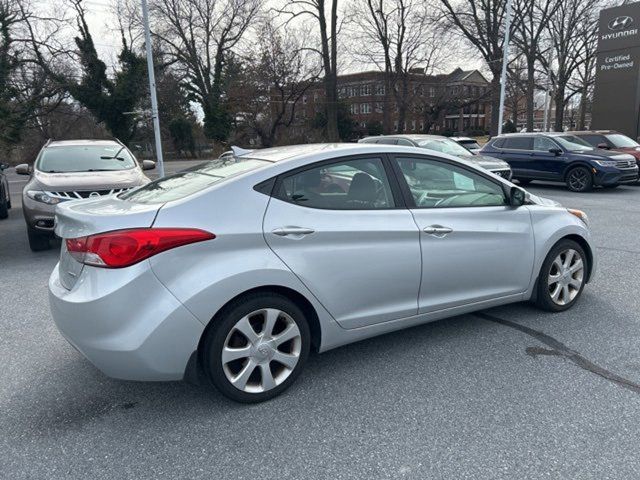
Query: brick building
{"type": "Point", "coordinates": [457, 102]}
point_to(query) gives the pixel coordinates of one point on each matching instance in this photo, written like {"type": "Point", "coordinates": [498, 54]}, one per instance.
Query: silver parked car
{"type": "Point", "coordinates": [237, 267]}
{"type": "Point", "coordinates": [74, 169]}
{"type": "Point", "coordinates": [440, 144]}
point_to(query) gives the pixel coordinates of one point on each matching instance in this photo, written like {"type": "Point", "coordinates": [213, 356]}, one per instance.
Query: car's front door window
{"type": "Point", "coordinates": [543, 144]}
{"type": "Point", "coordinates": [436, 184]}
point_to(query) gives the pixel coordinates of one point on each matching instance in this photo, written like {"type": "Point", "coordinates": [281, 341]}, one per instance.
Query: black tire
{"type": "Point", "coordinates": [579, 179]}
{"type": "Point", "coordinates": [4, 207]}
{"type": "Point", "coordinates": [225, 322]}
{"type": "Point", "coordinates": [523, 181]}
{"type": "Point", "coordinates": [543, 295]}
{"type": "Point", "coordinates": [38, 241]}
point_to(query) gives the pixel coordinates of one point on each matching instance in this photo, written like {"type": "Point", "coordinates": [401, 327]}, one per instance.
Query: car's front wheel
{"type": "Point", "coordinates": [257, 347]}
{"type": "Point", "coordinates": [562, 276]}
{"type": "Point", "coordinates": [579, 179]}
{"type": "Point", "coordinates": [38, 241]}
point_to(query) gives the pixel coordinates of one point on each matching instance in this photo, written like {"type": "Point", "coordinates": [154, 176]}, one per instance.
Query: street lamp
{"type": "Point", "coordinates": [505, 59]}
{"type": "Point", "coordinates": [152, 88]}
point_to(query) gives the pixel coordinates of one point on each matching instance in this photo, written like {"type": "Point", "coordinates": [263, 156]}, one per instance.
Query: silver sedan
{"type": "Point", "coordinates": [233, 270]}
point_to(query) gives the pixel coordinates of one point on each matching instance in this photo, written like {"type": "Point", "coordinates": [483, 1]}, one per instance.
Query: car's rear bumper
{"type": "Point", "coordinates": [126, 322]}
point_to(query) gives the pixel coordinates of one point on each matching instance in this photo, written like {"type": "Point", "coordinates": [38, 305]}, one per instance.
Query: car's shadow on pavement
{"type": "Point", "coordinates": [400, 368]}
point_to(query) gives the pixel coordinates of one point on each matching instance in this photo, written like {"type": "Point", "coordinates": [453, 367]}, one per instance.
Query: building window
{"type": "Point", "coordinates": [395, 126]}
{"type": "Point", "coordinates": [432, 92]}
{"type": "Point", "coordinates": [413, 125]}
{"type": "Point", "coordinates": [422, 125]}
{"type": "Point", "coordinates": [379, 107]}
{"type": "Point", "coordinates": [353, 108]}
{"type": "Point", "coordinates": [379, 89]}
{"type": "Point", "coordinates": [365, 90]}
{"type": "Point", "coordinates": [365, 108]}
{"type": "Point", "coordinates": [304, 99]}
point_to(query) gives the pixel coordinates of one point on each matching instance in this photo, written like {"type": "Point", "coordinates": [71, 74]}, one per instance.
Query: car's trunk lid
{"type": "Point", "coordinates": [86, 217]}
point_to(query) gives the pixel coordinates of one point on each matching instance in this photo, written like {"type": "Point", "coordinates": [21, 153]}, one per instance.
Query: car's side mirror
{"type": "Point", "coordinates": [148, 164]}
{"type": "Point", "coordinates": [555, 151]}
{"type": "Point", "coordinates": [23, 169]}
{"type": "Point", "coordinates": [517, 197]}
{"type": "Point", "coordinates": [603, 146]}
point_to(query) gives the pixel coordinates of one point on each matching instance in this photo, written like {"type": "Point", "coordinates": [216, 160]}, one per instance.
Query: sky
{"type": "Point", "coordinates": [102, 21]}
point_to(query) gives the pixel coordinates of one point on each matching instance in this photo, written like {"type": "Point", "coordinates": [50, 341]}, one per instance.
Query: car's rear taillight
{"type": "Point", "coordinates": [122, 248]}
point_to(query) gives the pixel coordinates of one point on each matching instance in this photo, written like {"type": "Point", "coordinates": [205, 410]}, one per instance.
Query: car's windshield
{"type": "Point", "coordinates": [444, 145]}
{"type": "Point", "coordinates": [192, 180]}
{"type": "Point", "coordinates": [572, 143]}
{"type": "Point", "coordinates": [85, 158]}
{"type": "Point", "coordinates": [622, 141]}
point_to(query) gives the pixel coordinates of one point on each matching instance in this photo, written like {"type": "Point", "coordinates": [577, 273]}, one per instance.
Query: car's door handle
{"type": "Point", "coordinates": [437, 230]}
{"type": "Point", "coordinates": [284, 231]}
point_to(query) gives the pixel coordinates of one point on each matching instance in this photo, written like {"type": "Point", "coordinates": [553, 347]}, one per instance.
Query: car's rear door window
{"type": "Point", "coordinates": [356, 184]}
{"type": "Point", "coordinates": [518, 143]}
{"type": "Point", "coordinates": [192, 180]}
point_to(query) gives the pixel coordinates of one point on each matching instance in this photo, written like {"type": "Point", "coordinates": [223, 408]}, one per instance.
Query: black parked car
{"type": "Point", "coordinates": [5, 199]}
{"type": "Point", "coordinates": [564, 158]}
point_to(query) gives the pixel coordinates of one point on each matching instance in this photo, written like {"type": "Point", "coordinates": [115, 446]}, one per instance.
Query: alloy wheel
{"type": "Point", "coordinates": [566, 277]}
{"type": "Point", "coordinates": [578, 179]}
{"type": "Point", "coordinates": [261, 350]}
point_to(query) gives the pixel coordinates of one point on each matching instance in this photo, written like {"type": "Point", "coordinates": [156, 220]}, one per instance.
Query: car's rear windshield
{"type": "Point", "coordinates": [192, 180]}
{"type": "Point", "coordinates": [85, 158]}
{"type": "Point", "coordinates": [622, 141]}
{"type": "Point", "coordinates": [469, 143]}
{"type": "Point", "coordinates": [445, 145]}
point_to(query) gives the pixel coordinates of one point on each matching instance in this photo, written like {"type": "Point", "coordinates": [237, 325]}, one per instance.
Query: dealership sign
{"type": "Point", "coordinates": [616, 103]}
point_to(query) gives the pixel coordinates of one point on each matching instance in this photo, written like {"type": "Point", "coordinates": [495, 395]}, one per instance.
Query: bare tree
{"type": "Point", "coordinates": [273, 85]}
{"type": "Point", "coordinates": [571, 31]}
{"type": "Point", "coordinates": [325, 14]}
{"type": "Point", "coordinates": [397, 36]}
{"type": "Point", "coordinates": [585, 75]}
{"type": "Point", "coordinates": [481, 23]}
{"type": "Point", "coordinates": [531, 28]}
{"type": "Point", "coordinates": [199, 36]}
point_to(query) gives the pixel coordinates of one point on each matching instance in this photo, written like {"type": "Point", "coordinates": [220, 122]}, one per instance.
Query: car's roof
{"type": "Point", "coordinates": [76, 143]}
{"type": "Point", "coordinates": [464, 139]}
{"type": "Point", "coordinates": [412, 136]}
{"type": "Point", "coordinates": [291, 152]}
{"type": "Point", "coordinates": [532, 134]}
{"type": "Point", "coordinates": [599, 132]}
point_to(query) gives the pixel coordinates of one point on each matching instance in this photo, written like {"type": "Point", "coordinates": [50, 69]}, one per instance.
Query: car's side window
{"type": "Point", "coordinates": [543, 144]}
{"type": "Point", "coordinates": [518, 143]}
{"type": "Point", "coordinates": [404, 143]}
{"type": "Point", "coordinates": [356, 184]}
{"type": "Point", "coordinates": [387, 141]}
{"type": "Point", "coordinates": [436, 184]}
{"type": "Point", "coordinates": [594, 140]}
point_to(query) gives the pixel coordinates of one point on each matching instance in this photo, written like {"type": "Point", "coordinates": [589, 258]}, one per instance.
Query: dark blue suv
{"type": "Point", "coordinates": [561, 157]}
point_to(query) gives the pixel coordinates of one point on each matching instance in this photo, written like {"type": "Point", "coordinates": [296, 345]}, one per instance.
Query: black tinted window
{"type": "Point", "coordinates": [360, 184]}
{"type": "Point", "coordinates": [518, 143]}
{"type": "Point", "coordinates": [498, 142]}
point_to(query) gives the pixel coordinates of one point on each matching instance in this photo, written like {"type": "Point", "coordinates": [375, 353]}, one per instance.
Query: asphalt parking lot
{"type": "Point", "coordinates": [508, 393]}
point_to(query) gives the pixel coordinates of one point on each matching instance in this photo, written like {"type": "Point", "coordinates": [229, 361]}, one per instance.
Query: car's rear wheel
{"type": "Point", "coordinates": [38, 241]}
{"type": "Point", "coordinates": [579, 179]}
{"type": "Point", "coordinates": [257, 347]}
{"type": "Point", "coordinates": [562, 276]}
